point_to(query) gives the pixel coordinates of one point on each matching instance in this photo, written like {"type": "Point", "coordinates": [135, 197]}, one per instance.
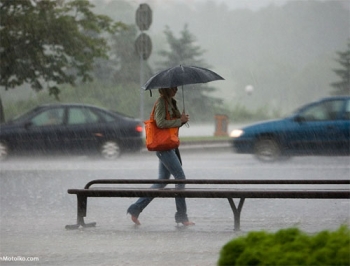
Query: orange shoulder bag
{"type": "Point", "coordinates": [161, 139]}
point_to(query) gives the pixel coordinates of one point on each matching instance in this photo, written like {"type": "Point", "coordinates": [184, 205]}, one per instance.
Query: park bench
{"type": "Point", "coordinates": [211, 188]}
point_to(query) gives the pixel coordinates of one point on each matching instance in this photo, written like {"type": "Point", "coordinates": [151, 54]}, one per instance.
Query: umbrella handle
{"type": "Point", "coordinates": [183, 99]}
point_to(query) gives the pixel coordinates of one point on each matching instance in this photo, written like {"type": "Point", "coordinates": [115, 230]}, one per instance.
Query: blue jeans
{"type": "Point", "coordinates": [169, 164]}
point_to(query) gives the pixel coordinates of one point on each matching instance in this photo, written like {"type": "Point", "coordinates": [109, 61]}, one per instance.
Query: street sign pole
{"type": "Point", "coordinates": [141, 90]}
{"type": "Point", "coordinates": [143, 45]}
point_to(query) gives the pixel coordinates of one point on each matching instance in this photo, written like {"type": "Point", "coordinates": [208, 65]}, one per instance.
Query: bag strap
{"type": "Point", "coordinates": [166, 110]}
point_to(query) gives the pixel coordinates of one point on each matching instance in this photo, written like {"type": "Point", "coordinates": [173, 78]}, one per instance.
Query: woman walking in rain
{"type": "Point", "coordinates": [169, 160]}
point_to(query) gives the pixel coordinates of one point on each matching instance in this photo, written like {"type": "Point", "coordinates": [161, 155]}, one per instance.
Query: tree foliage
{"type": "Point", "coordinates": [185, 51]}
{"type": "Point", "coordinates": [48, 43]}
{"type": "Point", "coordinates": [343, 85]}
{"type": "Point", "coordinates": [128, 61]}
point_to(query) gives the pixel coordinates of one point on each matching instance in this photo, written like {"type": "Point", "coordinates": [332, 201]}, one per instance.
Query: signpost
{"type": "Point", "coordinates": [143, 17]}
{"type": "Point", "coordinates": [143, 46]}
{"type": "Point", "coordinates": [143, 43]}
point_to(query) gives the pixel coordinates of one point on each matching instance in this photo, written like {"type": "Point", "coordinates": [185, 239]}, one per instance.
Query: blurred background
{"type": "Point", "coordinates": [274, 56]}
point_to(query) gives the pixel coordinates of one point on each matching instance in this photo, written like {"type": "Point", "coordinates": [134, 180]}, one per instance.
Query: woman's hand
{"type": "Point", "coordinates": [184, 118]}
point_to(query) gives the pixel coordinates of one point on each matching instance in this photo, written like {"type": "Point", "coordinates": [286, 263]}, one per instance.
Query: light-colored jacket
{"type": "Point", "coordinates": [160, 113]}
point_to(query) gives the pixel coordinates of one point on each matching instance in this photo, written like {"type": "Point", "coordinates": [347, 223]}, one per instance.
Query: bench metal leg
{"type": "Point", "coordinates": [81, 213]}
{"type": "Point", "coordinates": [236, 212]}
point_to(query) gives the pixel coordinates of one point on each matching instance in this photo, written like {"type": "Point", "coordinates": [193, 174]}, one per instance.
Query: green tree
{"type": "Point", "coordinates": [343, 86]}
{"type": "Point", "coordinates": [48, 43]}
{"type": "Point", "coordinates": [185, 51]}
{"type": "Point", "coordinates": [128, 61]}
{"type": "Point", "coordinates": [182, 50]}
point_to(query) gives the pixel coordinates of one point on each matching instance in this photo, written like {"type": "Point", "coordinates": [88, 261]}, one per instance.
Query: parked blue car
{"type": "Point", "coordinates": [318, 128]}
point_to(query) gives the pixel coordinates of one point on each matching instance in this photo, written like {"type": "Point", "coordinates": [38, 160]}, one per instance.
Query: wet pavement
{"type": "Point", "coordinates": [35, 207]}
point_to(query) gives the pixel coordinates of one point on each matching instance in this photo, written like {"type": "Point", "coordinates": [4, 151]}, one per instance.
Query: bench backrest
{"type": "Point", "coordinates": [221, 181]}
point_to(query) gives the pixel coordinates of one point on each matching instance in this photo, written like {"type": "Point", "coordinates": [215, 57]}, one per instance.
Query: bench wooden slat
{"type": "Point", "coordinates": [221, 181]}
{"type": "Point", "coordinates": [214, 193]}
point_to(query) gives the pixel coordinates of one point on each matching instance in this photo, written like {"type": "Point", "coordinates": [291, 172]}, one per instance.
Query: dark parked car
{"type": "Point", "coordinates": [319, 128]}
{"type": "Point", "coordinates": [72, 129]}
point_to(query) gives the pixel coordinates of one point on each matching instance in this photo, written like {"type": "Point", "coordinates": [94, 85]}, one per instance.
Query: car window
{"type": "Point", "coordinates": [79, 115]}
{"type": "Point", "coordinates": [323, 111]}
{"type": "Point", "coordinates": [107, 117]}
{"type": "Point", "coordinates": [48, 117]}
{"type": "Point", "coordinates": [347, 110]}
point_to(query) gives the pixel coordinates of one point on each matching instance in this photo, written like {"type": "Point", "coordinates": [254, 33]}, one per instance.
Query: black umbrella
{"type": "Point", "coordinates": [179, 76]}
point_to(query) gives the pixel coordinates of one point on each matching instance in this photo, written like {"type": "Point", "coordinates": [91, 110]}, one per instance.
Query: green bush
{"type": "Point", "coordinates": [124, 99]}
{"type": "Point", "coordinates": [288, 247]}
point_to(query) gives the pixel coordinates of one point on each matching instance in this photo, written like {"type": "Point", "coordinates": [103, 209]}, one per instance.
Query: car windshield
{"type": "Point", "coordinates": [24, 116]}
{"type": "Point", "coordinates": [325, 110]}
{"type": "Point", "coordinates": [299, 109]}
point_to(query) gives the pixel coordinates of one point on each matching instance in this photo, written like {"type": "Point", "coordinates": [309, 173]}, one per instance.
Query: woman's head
{"type": "Point", "coordinates": [168, 92]}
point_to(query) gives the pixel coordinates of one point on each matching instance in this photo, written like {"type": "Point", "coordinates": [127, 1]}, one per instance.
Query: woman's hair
{"type": "Point", "coordinates": [165, 92]}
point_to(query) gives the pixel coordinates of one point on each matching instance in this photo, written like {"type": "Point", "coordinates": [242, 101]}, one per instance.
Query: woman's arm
{"type": "Point", "coordinates": [160, 116]}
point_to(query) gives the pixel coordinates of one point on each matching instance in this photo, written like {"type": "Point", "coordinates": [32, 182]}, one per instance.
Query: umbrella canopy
{"type": "Point", "coordinates": [179, 76]}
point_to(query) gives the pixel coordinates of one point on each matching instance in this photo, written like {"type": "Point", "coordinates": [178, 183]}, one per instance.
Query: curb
{"type": "Point", "coordinates": [201, 145]}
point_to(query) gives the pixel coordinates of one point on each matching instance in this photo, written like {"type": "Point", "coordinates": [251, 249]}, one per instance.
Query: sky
{"type": "Point", "coordinates": [232, 4]}
{"type": "Point", "coordinates": [250, 4]}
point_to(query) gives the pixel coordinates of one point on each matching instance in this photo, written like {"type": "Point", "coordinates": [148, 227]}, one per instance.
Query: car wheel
{"type": "Point", "coordinates": [267, 150]}
{"type": "Point", "coordinates": [110, 150]}
{"type": "Point", "coordinates": [4, 152]}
